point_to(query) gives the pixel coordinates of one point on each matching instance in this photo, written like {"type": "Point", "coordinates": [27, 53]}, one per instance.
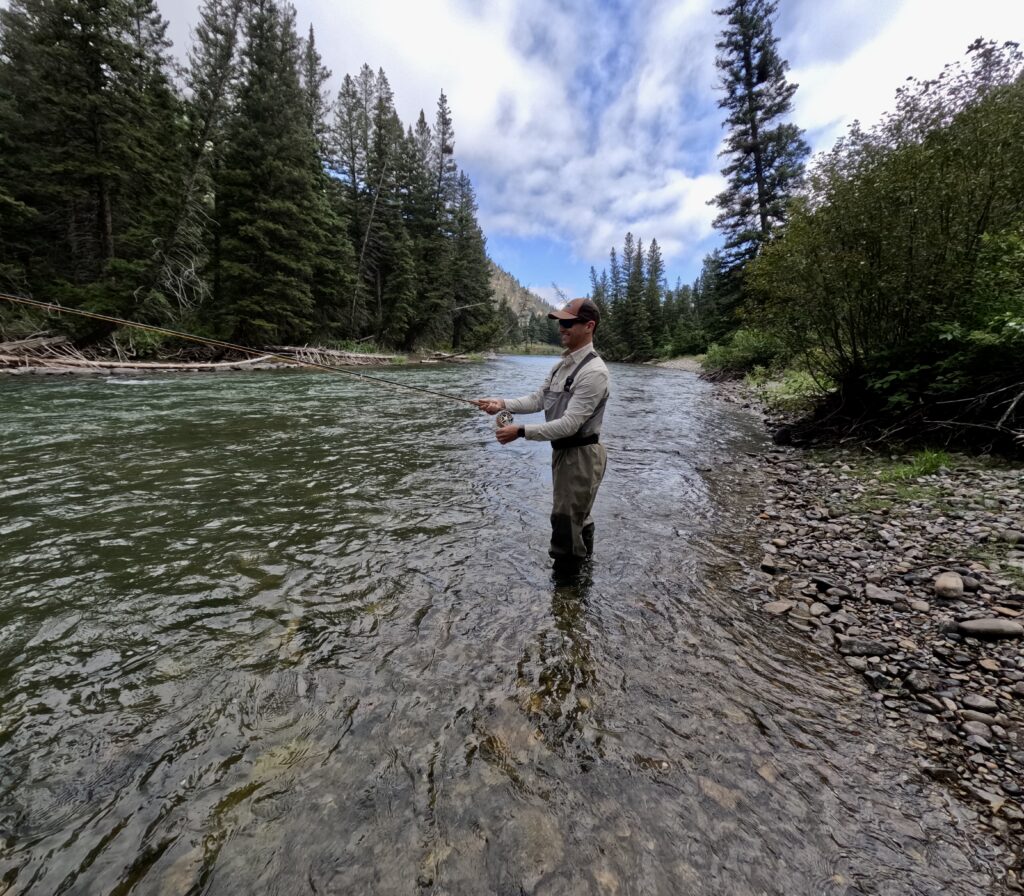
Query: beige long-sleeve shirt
{"type": "Point", "coordinates": [589, 388]}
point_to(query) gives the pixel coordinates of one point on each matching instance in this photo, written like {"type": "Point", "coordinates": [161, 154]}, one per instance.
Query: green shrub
{"type": "Point", "coordinates": [792, 392]}
{"type": "Point", "coordinates": [745, 351]}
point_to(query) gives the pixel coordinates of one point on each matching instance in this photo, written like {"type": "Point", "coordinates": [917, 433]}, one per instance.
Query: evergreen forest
{"type": "Point", "coordinates": [228, 195]}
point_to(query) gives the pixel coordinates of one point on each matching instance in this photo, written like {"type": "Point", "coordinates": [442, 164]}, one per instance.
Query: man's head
{"type": "Point", "coordinates": [577, 322]}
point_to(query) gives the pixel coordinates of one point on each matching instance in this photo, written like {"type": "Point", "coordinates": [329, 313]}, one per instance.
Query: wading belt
{"type": "Point", "coordinates": [575, 441]}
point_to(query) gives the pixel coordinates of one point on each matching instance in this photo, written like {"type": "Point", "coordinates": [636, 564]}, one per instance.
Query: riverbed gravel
{"type": "Point", "coordinates": [918, 586]}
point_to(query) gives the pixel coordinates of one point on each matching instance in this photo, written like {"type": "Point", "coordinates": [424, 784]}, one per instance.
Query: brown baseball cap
{"type": "Point", "coordinates": [578, 309]}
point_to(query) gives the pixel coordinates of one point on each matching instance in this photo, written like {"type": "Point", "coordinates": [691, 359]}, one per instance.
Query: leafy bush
{"type": "Point", "coordinates": [745, 350]}
{"type": "Point", "coordinates": [792, 392]}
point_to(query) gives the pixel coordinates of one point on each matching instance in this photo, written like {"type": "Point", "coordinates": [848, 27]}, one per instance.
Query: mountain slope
{"type": "Point", "coordinates": [518, 297]}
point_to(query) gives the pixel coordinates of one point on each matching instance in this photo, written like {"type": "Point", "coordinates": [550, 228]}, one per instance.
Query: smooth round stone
{"type": "Point", "coordinates": [991, 628]}
{"type": "Point", "coordinates": [948, 586]}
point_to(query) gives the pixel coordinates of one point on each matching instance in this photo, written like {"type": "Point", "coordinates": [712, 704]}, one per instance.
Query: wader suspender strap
{"type": "Point", "coordinates": [572, 376]}
{"type": "Point", "coordinates": [578, 441]}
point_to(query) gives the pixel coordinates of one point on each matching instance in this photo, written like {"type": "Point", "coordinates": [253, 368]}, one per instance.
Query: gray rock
{"type": "Point", "coordinates": [920, 606]}
{"type": "Point", "coordinates": [948, 586]}
{"type": "Point", "coordinates": [919, 681]}
{"type": "Point", "coordinates": [880, 595]}
{"type": "Point", "coordinates": [978, 743]}
{"type": "Point", "coordinates": [778, 607]}
{"type": "Point", "coordinates": [876, 679]}
{"type": "Point", "coordinates": [863, 647]}
{"type": "Point", "coordinates": [981, 704]}
{"type": "Point", "coordinates": [991, 628]}
{"type": "Point", "coordinates": [939, 734]}
{"type": "Point", "coordinates": [977, 728]}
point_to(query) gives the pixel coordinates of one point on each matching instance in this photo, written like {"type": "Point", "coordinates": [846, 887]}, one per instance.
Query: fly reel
{"type": "Point", "coordinates": [503, 418]}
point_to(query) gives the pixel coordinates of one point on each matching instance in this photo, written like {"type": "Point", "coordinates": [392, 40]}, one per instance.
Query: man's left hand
{"type": "Point", "coordinates": [506, 434]}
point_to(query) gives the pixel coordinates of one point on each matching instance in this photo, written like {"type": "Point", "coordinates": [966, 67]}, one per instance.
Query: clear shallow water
{"type": "Point", "coordinates": [292, 633]}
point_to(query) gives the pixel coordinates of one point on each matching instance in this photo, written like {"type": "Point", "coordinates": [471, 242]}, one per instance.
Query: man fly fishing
{"type": "Point", "coordinates": [573, 399]}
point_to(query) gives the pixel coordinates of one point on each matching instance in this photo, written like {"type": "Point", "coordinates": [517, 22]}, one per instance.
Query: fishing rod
{"type": "Point", "coordinates": [218, 343]}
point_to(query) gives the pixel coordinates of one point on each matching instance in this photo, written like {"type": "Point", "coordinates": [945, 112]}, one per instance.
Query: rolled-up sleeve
{"type": "Point", "coordinates": [589, 390]}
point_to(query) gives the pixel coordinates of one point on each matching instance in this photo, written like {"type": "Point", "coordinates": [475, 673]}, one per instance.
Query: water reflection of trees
{"type": "Point", "coordinates": [557, 674]}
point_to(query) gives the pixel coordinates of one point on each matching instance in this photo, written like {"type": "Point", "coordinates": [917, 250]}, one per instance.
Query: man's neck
{"type": "Point", "coordinates": [572, 351]}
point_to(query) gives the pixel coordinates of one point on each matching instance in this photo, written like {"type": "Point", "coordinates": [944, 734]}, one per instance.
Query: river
{"type": "Point", "coordinates": [292, 633]}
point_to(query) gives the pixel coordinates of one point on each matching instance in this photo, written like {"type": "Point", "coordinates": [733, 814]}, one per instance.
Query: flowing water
{"type": "Point", "coordinates": [292, 633]}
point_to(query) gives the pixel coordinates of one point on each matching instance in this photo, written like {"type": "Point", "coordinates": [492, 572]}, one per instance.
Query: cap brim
{"type": "Point", "coordinates": [562, 315]}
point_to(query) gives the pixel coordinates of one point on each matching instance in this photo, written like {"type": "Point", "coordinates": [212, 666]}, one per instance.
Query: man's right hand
{"type": "Point", "coordinates": [490, 405]}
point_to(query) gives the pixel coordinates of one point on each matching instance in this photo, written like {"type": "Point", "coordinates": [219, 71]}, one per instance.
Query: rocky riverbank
{"type": "Point", "coordinates": [918, 584]}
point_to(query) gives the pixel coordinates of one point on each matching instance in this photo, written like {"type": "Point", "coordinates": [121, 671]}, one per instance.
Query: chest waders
{"type": "Point", "coordinates": [577, 468]}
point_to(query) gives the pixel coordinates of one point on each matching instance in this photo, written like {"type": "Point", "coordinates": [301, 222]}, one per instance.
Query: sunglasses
{"type": "Point", "coordinates": [569, 324]}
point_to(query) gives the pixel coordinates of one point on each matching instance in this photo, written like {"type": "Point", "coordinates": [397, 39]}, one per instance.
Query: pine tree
{"type": "Point", "coordinates": [635, 324]}
{"type": "Point", "coordinates": [445, 168]}
{"type": "Point", "coordinates": [613, 339]}
{"type": "Point", "coordinates": [654, 293]}
{"type": "Point", "coordinates": [388, 265]}
{"type": "Point", "coordinates": [435, 232]}
{"type": "Point", "coordinates": [765, 154]}
{"type": "Point", "coordinates": [210, 79]}
{"type": "Point", "coordinates": [473, 318]}
{"type": "Point", "coordinates": [315, 76]}
{"type": "Point", "coordinates": [93, 126]}
{"type": "Point", "coordinates": [269, 191]}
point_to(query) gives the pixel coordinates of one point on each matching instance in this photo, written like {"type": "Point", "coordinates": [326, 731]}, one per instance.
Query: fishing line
{"type": "Point", "coordinates": [217, 343]}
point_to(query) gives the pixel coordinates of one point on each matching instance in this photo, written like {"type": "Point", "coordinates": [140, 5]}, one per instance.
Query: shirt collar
{"type": "Point", "coordinates": [575, 357]}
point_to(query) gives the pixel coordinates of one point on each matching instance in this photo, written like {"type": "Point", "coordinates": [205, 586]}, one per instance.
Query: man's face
{"type": "Point", "coordinates": [577, 335]}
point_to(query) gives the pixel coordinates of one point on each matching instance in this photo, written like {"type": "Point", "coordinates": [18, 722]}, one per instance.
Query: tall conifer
{"type": "Point", "coordinates": [269, 190]}
{"type": "Point", "coordinates": [764, 153]}
{"type": "Point", "coordinates": [92, 122]}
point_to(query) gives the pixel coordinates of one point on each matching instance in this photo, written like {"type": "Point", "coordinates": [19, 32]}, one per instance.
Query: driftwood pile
{"type": "Point", "coordinates": [43, 355]}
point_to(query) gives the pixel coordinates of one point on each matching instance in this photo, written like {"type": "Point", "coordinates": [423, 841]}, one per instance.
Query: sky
{"type": "Point", "coordinates": [580, 120]}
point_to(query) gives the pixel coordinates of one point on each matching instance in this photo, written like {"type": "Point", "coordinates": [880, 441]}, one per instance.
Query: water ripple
{"type": "Point", "coordinates": [284, 633]}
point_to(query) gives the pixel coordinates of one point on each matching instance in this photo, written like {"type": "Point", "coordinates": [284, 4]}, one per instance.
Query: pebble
{"type": "Point", "coordinates": [777, 607]}
{"type": "Point", "coordinates": [981, 704]}
{"type": "Point", "coordinates": [879, 595]}
{"type": "Point", "coordinates": [938, 587]}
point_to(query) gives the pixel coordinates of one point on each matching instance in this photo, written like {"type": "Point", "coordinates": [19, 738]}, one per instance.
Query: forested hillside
{"type": "Point", "coordinates": [238, 200]}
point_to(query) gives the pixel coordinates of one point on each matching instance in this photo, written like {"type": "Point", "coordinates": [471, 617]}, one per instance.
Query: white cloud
{"type": "Point", "coordinates": [581, 119]}
{"type": "Point", "coordinates": [917, 39]}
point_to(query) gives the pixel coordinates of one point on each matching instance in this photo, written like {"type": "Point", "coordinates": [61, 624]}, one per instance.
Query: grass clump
{"type": "Point", "coordinates": [922, 463]}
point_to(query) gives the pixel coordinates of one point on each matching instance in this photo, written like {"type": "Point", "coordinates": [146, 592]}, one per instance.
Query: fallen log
{"type": "Point", "coordinates": [83, 364]}
{"type": "Point", "coordinates": [32, 344]}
